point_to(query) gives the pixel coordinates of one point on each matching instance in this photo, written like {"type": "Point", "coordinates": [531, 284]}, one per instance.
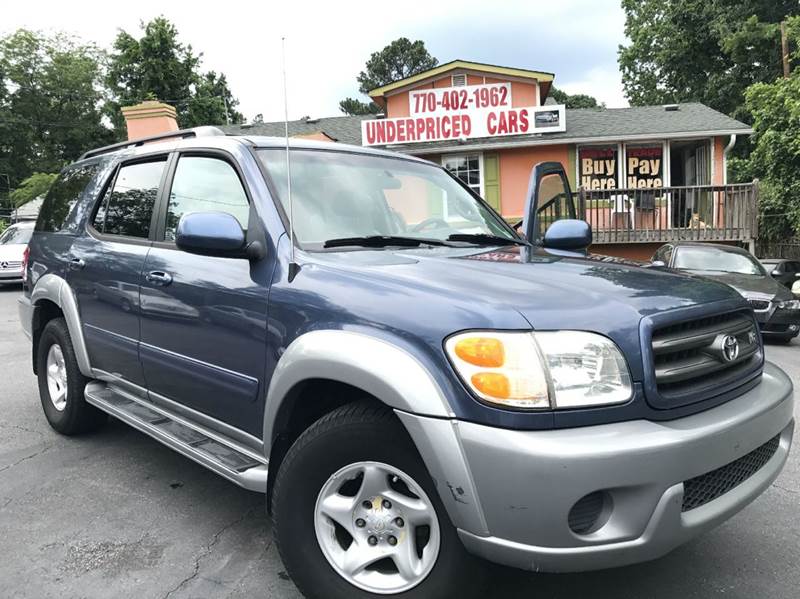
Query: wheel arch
{"type": "Point", "coordinates": [52, 297]}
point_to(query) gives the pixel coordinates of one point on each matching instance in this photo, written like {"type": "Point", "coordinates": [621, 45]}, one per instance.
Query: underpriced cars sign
{"type": "Point", "coordinates": [462, 112]}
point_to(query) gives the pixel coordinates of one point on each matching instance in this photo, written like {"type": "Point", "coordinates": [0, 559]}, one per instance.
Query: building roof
{"type": "Point", "coordinates": [344, 129]}
{"type": "Point", "coordinates": [586, 125]}
{"type": "Point", "coordinates": [466, 65]}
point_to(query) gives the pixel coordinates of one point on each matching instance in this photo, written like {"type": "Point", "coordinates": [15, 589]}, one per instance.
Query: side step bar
{"type": "Point", "coordinates": [216, 452]}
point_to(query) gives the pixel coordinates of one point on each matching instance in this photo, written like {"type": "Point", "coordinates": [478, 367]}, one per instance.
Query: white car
{"type": "Point", "coordinates": [13, 242]}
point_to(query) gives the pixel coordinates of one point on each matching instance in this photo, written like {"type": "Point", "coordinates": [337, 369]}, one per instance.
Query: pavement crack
{"type": "Point", "coordinates": [792, 491]}
{"type": "Point", "coordinates": [26, 458]}
{"type": "Point", "coordinates": [206, 552]}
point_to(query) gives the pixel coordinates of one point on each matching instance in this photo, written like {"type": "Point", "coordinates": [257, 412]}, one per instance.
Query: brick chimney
{"type": "Point", "coordinates": [151, 117]}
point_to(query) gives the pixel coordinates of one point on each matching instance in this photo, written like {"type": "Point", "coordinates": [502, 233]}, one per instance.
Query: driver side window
{"type": "Point", "coordinates": [203, 184]}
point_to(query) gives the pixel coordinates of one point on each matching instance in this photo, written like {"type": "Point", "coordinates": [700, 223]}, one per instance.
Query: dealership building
{"type": "Point", "coordinates": [646, 175]}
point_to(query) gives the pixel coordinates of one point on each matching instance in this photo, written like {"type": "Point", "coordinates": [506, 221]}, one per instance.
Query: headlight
{"type": "Point", "coordinates": [559, 369]}
{"type": "Point", "coordinates": [789, 305]}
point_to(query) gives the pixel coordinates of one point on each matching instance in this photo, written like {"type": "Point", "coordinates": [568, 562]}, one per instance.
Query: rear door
{"type": "Point", "coordinates": [105, 266]}
{"type": "Point", "coordinates": [204, 318]}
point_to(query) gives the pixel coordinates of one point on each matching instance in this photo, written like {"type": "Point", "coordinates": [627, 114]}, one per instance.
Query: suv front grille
{"type": "Point", "coordinates": [690, 357]}
{"type": "Point", "coordinates": [707, 487]}
{"type": "Point", "coordinates": [756, 304]}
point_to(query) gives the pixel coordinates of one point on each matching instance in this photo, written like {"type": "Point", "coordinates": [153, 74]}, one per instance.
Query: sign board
{"type": "Point", "coordinates": [463, 112]}
{"type": "Point", "coordinates": [597, 167]}
{"type": "Point", "coordinates": [644, 167]}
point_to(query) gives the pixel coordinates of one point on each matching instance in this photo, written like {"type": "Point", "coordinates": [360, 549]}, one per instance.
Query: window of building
{"type": "Point", "coordinates": [127, 208]}
{"type": "Point", "coordinates": [466, 167]}
{"type": "Point", "coordinates": [644, 166]}
{"type": "Point", "coordinates": [203, 184]}
{"type": "Point", "coordinates": [597, 167]}
{"type": "Point", "coordinates": [459, 80]}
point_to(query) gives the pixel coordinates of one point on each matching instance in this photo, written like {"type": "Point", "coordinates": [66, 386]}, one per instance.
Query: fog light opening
{"type": "Point", "coordinates": [590, 513]}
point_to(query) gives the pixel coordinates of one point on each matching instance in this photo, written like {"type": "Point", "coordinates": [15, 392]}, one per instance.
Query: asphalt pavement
{"type": "Point", "coordinates": [116, 514]}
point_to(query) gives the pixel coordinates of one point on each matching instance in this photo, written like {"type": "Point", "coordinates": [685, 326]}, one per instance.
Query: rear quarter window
{"type": "Point", "coordinates": [63, 196]}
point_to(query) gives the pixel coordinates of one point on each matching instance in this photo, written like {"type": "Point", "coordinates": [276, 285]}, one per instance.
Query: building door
{"type": "Point", "coordinates": [690, 170]}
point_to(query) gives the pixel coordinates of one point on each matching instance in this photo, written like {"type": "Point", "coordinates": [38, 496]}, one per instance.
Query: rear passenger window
{"type": "Point", "coordinates": [203, 184]}
{"type": "Point", "coordinates": [127, 208]}
{"type": "Point", "coordinates": [63, 196]}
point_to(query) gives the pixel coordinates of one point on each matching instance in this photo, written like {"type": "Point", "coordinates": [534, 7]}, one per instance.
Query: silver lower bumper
{"type": "Point", "coordinates": [519, 486]}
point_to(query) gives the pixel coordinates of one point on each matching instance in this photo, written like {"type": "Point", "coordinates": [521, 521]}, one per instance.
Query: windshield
{"type": "Point", "coordinates": [16, 235]}
{"type": "Point", "coordinates": [338, 195]}
{"type": "Point", "coordinates": [716, 260]}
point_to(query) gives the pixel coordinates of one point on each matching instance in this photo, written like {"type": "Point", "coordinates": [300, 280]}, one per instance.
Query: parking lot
{"type": "Point", "coordinates": [116, 514]}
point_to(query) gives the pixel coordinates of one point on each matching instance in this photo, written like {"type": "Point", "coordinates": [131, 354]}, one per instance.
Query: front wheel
{"type": "Point", "coordinates": [356, 514]}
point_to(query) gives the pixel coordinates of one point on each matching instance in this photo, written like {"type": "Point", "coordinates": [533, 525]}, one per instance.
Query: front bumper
{"type": "Point", "coordinates": [10, 274]}
{"type": "Point", "coordinates": [778, 321]}
{"type": "Point", "coordinates": [511, 495]}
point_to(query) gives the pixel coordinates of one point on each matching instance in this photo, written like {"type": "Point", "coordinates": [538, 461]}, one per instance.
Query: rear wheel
{"type": "Point", "coordinates": [356, 514]}
{"type": "Point", "coordinates": [61, 383]}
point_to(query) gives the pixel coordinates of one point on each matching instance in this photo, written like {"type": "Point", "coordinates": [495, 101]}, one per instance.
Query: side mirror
{"type": "Point", "coordinates": [568, 234]}
{"type": "Point", "coordinates": [658, 263]}
{"type": "Point", "coordinates": [796, 289]}
{"type": "Point", "coordinates": [775, 273]}
{"type": "Point", "coordinates": [211, 234]}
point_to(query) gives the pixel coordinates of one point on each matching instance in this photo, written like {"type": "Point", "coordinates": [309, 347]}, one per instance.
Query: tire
{"type": "Point", "coordinates": [370, 434]}
{"type": "Point", "coordinates": [67, 412]}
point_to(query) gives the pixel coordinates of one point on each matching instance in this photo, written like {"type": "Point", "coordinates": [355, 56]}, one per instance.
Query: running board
{"type": "Point", "coordinates": [216, 452]}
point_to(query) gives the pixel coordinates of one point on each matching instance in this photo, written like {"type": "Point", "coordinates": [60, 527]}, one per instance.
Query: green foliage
{"type": "Point", "coordinates": [775, 158]}
{"type": "Point", "coordinates": [706, 51]}
{"type": "Point", "coordinates": [400, 59]}
{"type": "Point", "coordinates": [574, 100]}
{"type": "Point", "coordinates": [3, 225]}
{"type": "Point", "coordinates": [51, 99]}
{"type": "Point", "coordinates": [158, 66]}
{"type": "Point", "coordinates": [31, 188]}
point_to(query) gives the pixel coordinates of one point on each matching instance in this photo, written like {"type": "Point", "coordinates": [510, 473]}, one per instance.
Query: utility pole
{"type": "Point", "coordinates": [784, 50]}
{"type": "Point", "coordinates": [227, 114]}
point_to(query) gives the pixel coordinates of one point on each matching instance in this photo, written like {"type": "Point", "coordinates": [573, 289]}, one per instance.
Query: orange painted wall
{"type": "Point", "coordinates": [515, 169]}
{"type": "Point", "coordinates": [522, 94]}
{"type": "Point", "coordinates": [397, 106]}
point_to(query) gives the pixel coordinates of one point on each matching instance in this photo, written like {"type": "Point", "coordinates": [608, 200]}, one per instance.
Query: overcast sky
{"type": "Point", "coordinates": [328, 42]}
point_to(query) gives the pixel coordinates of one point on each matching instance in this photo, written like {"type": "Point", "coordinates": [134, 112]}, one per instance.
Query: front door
{"type": "Point", "coordinates": [204, 319]}
{"type": "Point", "coordinates": [105, 266]}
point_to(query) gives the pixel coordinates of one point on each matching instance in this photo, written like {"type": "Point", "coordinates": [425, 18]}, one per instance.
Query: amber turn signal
{"type": "Point", "coordinates": [492, 384]}
{"type": "Point", "coordinates": [486, 352]}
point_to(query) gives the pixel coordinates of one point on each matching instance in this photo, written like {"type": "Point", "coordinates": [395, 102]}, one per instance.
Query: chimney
{"type": "Point", "coordinates": [151, 117]}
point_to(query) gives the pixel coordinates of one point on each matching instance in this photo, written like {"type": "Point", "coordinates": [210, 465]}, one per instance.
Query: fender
{"type": "Point", "coordinates": [401, 382]}
{"type": "Point", "coordinates": [374, 365]}
{"type": "Point", "coordinates": [55, 289]}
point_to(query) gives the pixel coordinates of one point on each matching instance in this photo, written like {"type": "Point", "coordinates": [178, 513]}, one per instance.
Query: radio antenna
{"type": "Point", "coordinates": [293, 266]}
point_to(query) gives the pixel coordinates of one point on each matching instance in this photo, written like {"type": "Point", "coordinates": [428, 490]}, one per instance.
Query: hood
{"type": "Point", "coordinates": [12, 252]}
{"type": "Point", "coordinates": [543, 285]}
{"type": "Point", "coordinates": [750, 286]}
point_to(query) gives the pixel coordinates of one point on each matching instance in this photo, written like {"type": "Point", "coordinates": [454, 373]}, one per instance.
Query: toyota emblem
{"type": "Point", "coordinates": [730, 348]}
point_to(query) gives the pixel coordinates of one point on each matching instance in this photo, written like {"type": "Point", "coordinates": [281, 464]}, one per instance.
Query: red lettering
{"type": "Point", "coordinates": [446, 127]}
{"type": "Point", "coordinates": [410, 130]}
{"type": "Point", "coordinates": [430, 128]}
{"type": "Point", "coordinates": [380, 136]}
{"type": "Point", "coordinates": [512, 121]}
{"type": "Point", "coordinates": [391, 132]}
{"type": "Point", "coordinates": [466, 126]}
{"type": "Point", "coordinates": [491, 123]}
{"type": "Point", "coordinates": [370, 132]}
{"type": "Point", "coordinates": [523, 120]}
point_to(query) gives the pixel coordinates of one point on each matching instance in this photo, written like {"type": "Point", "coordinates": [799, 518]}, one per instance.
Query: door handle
{"type": "Point", "coordinates": [159, 277]}
{"type": "Point", "coordinates": [77, 263]}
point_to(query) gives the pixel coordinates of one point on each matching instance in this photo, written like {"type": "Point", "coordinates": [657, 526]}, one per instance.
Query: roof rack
{"type": "Point", "coordinates": [180, 134]}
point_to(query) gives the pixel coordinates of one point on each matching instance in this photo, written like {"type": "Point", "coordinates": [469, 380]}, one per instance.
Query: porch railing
{"type": "Point", "coordinates": [698, 212]}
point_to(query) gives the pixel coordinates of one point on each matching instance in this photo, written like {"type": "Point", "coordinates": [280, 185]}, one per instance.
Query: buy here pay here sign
{"type": "Point", "coordinates": [463, 112]}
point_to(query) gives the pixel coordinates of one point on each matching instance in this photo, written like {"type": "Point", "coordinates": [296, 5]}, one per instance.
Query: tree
{"type": "Point", "coordinates": [51, 100]}
{"type": "Point", "coordinates": [400, 59]}
{"type": "Point", "coordinates": [38, 184]}
{"type": "Point", "coordinates": [706, 51]}
{"type": "Point", "coordinates": [159, 66]}
{"type": "Point", "coordinates": [775, 158]}
{"type": "Point", "coordinates": [574, 100]}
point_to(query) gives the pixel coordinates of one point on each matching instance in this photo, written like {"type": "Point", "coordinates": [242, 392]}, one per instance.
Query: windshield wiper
{"type": "Point", "coordinates": [486, 239]}
{"type": "Point", "coordinates": [380, 241]}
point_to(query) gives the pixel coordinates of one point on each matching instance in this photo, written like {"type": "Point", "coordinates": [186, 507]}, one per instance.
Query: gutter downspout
{"type": "Point", "coordinates": [728, 148]}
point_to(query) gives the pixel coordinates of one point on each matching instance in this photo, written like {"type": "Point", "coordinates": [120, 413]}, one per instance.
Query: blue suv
{"type": "Point", "coordinates": [411, 382]}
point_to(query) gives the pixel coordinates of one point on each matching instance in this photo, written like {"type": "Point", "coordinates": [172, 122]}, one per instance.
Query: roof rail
{"type": "Point", "coordinates": [132, 143]}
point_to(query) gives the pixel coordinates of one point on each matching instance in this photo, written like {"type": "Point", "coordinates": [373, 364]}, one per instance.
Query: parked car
{"type": "Point", "coordinates": [426, 386]}
{"type": "Point", "coordinates": [786, 272]}
{"type": "Point", "coordinates": [13, 242]}
{"type": "Point", "coordinates": [777, 310]}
